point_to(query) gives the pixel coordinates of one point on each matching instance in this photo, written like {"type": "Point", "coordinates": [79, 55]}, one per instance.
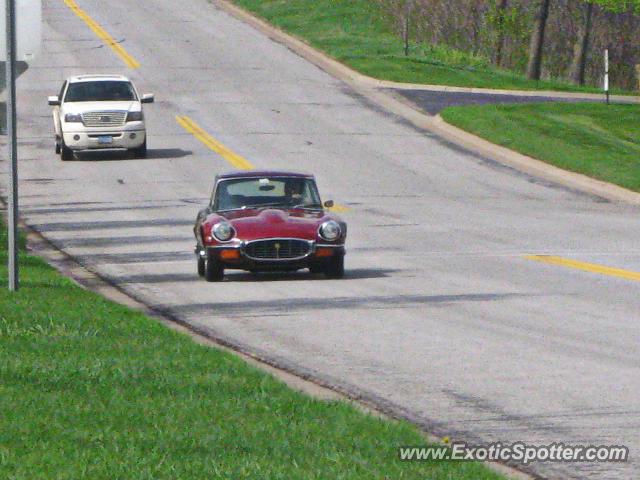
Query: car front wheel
{"type": "Point", "coordinates": [335, 267]}
{"type": "Point", "coordinates": [141, 151]}
{"type": "Point", "coordinates": [316, 269]}
{"type": "Point", "coordinates": [214, 272]}
{"type": "Point", "coordinates": [65, 152]}
{"type": "Point", "coordinates": [201, 266]}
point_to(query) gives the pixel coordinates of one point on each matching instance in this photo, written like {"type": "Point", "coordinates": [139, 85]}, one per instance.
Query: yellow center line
{"type": "Point", "coordinates": [339, 208]}
{"type": "Point", "coordinates": [102, 34]}
{"type": "Point", "coordinates": [233, 158]}
{"type": "Point", "coordinates": [587, 267]}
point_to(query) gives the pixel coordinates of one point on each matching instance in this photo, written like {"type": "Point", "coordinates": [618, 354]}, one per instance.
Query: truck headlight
{"type": "Point", "coordinates": [73, 118]}
{"type": "Point", "coordinates": [135, 116]}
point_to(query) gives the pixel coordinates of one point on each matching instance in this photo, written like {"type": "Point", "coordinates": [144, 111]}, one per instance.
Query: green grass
{"type": "Point", "coordinates": [355, 33]}
{"type": "Point", "coordinates": [90, 389]}
{"type": "Point", "coordinates": [597, 140]}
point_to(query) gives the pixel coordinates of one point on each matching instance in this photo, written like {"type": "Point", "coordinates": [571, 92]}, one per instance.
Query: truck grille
{"type": "Point", "coordinates": [277, 249]}
{"type": "Point", "coordinates": [104, 119]}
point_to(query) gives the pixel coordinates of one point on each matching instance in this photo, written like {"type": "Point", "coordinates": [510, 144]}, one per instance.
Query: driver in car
{"type": "Point", "coordinates": [293, 192]}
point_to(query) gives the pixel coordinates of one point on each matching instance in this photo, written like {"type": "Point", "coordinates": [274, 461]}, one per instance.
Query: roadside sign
{"type": "Point", "coordinates": [28, 29]}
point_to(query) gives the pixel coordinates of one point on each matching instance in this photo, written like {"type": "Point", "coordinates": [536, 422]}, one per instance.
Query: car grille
{"type": "Point", "coordinates": [285, 249]}
{"type": "Point", "coordinates": [104, 119]}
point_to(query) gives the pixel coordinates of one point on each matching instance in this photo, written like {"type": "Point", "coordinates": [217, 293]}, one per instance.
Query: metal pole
{"type": "Point", "coordinates": [12, 145]}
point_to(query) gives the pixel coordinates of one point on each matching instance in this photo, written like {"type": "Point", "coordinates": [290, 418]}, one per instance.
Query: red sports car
{"type": "Point", "coordinates": [265, 221]}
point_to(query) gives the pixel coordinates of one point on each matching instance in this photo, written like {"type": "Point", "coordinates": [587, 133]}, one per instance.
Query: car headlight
{"type": "Point", "coordinates": [73, 118]}
{"type": "Point", "coordinates": [330, 230]}
{"type": "Point", "coordinates": [223, 231]}
{"type": "Point", "coordinates": [135, 116]}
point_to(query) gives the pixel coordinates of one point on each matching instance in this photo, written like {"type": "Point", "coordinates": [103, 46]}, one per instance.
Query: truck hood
{"type": "Point", "coordinates": [82, 107]}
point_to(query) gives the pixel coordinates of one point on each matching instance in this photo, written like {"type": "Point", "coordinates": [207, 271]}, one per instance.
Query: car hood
{"type": "Point", "coordinates": [82, 107]}
{"type": "Point", "coordinates": [252, 224]}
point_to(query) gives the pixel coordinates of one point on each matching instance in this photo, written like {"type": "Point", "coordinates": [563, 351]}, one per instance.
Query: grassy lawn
{"type": "Point", "coordinates": [597, 140]}
{"type": "Point", "coordinates": [353, 32]}
{"type": "Point", "coordinates": [90, 389]}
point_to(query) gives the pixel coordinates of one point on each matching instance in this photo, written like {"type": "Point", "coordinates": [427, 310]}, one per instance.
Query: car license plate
{"type": "Point", "coordinates": [105, 140]}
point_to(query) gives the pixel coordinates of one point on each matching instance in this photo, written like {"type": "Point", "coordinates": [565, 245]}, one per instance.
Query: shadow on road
{"type": "Point", "coordinates": [109, 224]}
{"type": "Point", "coordinates": [231, 276]}
{"type": "Point", "coordinates": [350, 274]}
{"type": "Point", "coordinates": [119, 155]}
{"type": "Point", "coordinates": [159, 153]}
{"type": "Point", "coordinates": [267, 307]}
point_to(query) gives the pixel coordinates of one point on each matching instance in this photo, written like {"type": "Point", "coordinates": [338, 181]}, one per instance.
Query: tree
{"type": "Point", "coordinates": [536, 46]}
{"type": "Point", "coordinates": [581, 47]}
{"type": "Point", "coordinates": [501, 8]}
{"type": "Point", "coordinates": [408, 7]}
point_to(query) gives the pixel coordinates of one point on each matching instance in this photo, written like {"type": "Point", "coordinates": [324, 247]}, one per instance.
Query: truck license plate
{"type": "Point", "coordinates": [105, 140]}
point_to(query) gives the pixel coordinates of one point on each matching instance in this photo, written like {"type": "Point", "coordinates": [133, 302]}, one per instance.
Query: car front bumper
{"type": "Point", "coordinates": [235, 257]}
{"type": "Point", "coordinates": [92, 140]}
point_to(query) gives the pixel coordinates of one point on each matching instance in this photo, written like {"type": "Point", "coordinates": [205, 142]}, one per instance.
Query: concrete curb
{"type": "Point", "coordinates": [373, 90]}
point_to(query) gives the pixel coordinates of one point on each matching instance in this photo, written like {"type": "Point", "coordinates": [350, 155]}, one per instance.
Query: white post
{"type": "Point", "coordinates": [12, 144]}
{"type": "Point", "coordinates": [606, 74]}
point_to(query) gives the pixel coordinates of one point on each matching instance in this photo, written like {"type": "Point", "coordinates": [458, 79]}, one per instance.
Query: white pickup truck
{"type": "Point", "coordinates": [99, 112]}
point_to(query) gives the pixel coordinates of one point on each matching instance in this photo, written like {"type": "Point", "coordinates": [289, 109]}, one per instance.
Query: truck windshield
{"type": "Point", "coordinates": [102, 91]}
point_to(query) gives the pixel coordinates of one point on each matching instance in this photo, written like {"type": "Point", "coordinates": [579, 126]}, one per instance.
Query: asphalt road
{"type": "Point", "coordinates": [440, 317]}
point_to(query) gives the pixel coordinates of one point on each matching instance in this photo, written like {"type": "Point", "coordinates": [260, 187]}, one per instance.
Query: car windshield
{"type": "Point", "coordinates": [281, 192]}
{"type": "Point", "coordinates": [100, 91]}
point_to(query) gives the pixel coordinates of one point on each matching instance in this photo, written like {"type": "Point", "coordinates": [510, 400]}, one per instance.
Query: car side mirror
{"type": "Point", "coordinates": [329, 204]}
{"type": "Point", "coordinates": [54, 101]}
{"type": "Point", "coordinates": [147, 98]}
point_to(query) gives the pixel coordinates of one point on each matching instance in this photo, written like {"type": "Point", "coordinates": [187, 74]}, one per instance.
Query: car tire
{"type": "Point", "coordinates": [335, 267]}
{"type": "Point", "coordinates": [65, 153]}
{"type": "Point", "coordinates": [141, 151]}
{"type": "Point", "coordinates": [58, 149]}
{"type": "Point", "coordinates": [213, 272]}
{"type": "Point", "coordinates": [316, 269]}
{"type": "Point", "coordinates": [202, 264]}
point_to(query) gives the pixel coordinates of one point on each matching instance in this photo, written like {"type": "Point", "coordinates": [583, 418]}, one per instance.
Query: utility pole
{"type": "Point", "coordinates": [12, 145]}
